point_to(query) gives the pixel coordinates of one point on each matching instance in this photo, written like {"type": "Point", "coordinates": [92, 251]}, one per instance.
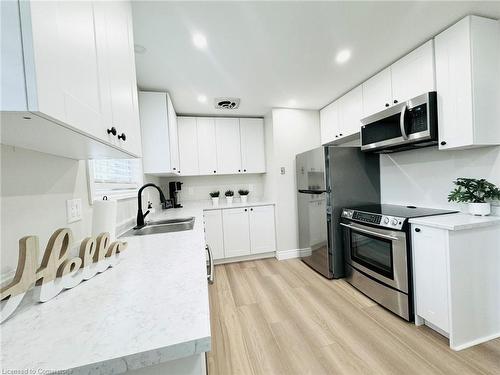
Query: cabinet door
{"type": "Point", "coordinates": [413, 75]}
{"type": "Point", "coordinates": [121, 73]}
{"type": "Point", "coordinates": [430, 254]}
{"type": "Point", "coordinates": [377, 92]}
{"type": "Point", "coordinates": [214, 235]}
{"type": "Point", "coordinates": [154, 129]}
{"type": "Point", "coordinates": [173, 136]}
{"type": "Point", "coordinates": [188, 146]}
{"type": "Point", "coordinates": [262, 230]}
{"type": "Point", "coordinates": [253, 158]}
{"type": "Point", "coordinates": [454, 86]}
{"type": "Point", "coordinates": [236, 232]}
{"type": "Point", "coordinates": [228, 145]}
{"type": "Point", "coordinates": [329, 122]}
{"type": "Point", "coordinates": [62, 68]}
{"type": "Point", "coordinates": [207, 146]}
{"type": "Point", "coordinates": [351, 112]}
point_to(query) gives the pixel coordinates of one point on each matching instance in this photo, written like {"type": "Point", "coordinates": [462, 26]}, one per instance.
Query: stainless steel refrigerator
{"type": "Point", "coordinates": [328, 179]}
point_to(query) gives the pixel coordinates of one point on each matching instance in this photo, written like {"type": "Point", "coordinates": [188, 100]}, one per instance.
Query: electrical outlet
{"type": "Point", "coordinates": [73, 210]}
{"type": "Point", "coordinates": [282, 170]}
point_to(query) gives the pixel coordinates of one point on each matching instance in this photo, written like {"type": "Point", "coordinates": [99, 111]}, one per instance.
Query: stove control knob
{"type": "Point", "coordinates": [386, 220]}
{"type": "Point", "coordinates": [394, 222]}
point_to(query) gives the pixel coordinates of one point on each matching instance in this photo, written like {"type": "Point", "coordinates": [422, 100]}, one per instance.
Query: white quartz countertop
{"type": "Point", "coordinates": [151, 307]}
{"type": "Point", "coordinates": [207, 205]}
{"type": "Point", "coordinates": [458, 221]}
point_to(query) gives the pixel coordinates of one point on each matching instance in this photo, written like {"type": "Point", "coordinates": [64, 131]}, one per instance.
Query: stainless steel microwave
{"type": "Point", "coordinates": [408, 125]}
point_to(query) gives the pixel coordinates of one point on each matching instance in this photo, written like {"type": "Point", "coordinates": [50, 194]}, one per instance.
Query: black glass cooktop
{"type": "Point", "coordinates": [401, 211]}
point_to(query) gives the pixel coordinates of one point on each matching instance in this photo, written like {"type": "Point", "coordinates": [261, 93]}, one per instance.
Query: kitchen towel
{"type": "Point", "coordinates": [104, 218]}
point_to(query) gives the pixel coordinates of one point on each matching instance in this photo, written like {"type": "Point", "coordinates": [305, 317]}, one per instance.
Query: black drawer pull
{"type": "Point", "coordinates": [112, 130]}
{"type": "Point", "coordinates": [417, 230]}
{"type": "Point", "coordinates": [123, 137]}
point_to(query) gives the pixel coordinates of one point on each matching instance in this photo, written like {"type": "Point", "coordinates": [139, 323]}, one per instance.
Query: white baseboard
{"type": "Point", "coordinates": [475, 342]}
{"type": "Point", "coordinates": [292, 253]}
{"type": "Point", "coordinates": [244, 258]}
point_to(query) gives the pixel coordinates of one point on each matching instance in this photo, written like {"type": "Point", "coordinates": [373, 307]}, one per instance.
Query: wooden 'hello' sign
{"type": "Point", "coordinates": [56, 271]}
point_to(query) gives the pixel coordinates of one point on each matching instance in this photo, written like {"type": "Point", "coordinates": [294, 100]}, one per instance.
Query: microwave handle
{"type": "Point", "coordinates": [402, 123]}
{"type": "Point", "coordinates": [370, 232]}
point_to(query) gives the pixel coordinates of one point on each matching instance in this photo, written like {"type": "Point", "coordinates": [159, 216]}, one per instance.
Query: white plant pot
{"type": "Point", "coordinates": [479, 209]}
{"type": "Point", "coordinates": [244, 198]}
{"type": "Point", "coordinates": [215, 202]}
{"type": "Point", "coordinates": [229, 201]}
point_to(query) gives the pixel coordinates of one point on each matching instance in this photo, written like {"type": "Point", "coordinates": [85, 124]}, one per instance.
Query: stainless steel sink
{"type": "Point", "coordinates": [163, 226]}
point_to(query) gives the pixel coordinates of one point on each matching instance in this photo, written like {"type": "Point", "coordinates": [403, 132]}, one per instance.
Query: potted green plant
{"type": "Point", "coordinates": [215, 198]}
{"type": "Point", "coordinates": [476, 193]}
{"type": "Point", "coordinates": [243, 195]}
{"type": "Point", "coordinates": [229, 197]}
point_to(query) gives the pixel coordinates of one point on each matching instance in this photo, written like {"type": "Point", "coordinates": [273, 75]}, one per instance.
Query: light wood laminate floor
{"type": "Point", "coordinates": [280, 317]}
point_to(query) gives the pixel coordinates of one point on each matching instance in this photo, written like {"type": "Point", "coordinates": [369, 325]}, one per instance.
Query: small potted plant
{"type": "Point", "coordinates": [229, 197]}
{"type": "Point", "coordinates": [243, 195]}
{"type": "Point", "coordinates": [215, 198]}
{"type": "Point", "coordinates": [476, 193]}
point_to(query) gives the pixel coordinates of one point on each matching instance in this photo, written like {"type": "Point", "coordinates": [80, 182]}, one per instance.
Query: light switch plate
{"type": "Point", "coordinates": [73, 210]}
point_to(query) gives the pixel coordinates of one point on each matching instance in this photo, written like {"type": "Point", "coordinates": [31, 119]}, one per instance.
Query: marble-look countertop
{"type": "Point", "coordinates": [458, 221]}
{"type": "Point", "coordinates": [150, 308]}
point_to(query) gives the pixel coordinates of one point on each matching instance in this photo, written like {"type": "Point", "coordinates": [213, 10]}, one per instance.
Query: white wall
{"type": "Point", "coordinates": [199, 187]}
{"type": "Point", "coordinates": [34, 190]}
{"type": "Point", "coordinates": [293, 131]}
{"type": "Point", "coordinates": [424, 177]}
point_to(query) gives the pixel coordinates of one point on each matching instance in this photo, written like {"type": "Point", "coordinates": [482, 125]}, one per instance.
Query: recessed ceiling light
{"type": "Point", "coordinates": [343, 56]}
{"type": "Point", "coordinates": [199, 41]}
{"type": "Point", "coordinates": [139, 49]}
{"type": "Point", "coordinates": [202, 98]}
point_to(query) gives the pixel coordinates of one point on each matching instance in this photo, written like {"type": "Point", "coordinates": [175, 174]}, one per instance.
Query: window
{"type": "Point", "coordinates": [115, 178]}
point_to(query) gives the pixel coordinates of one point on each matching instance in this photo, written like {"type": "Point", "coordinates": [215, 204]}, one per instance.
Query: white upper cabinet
{"type": "Point", "coordinates": [156, 118]}
{"type": "Point", "coordinates": [253, 159]}
{"type": "Point", "coordinates": [172, 131]}
{"type": "Point", "coordinates": [120, 63]}
{"type": "Point", "coordinates": [228, 145]}
{"type": "Point", "coordinates": [377, 92]}
{"type": "Point", "coordinates": [351, 112]}
{"type": "Point", "coordinates": [207, 145]}
{"type": "Point", "coordinates": [78, 82]}
{"type": "Point", "coordinates": [467, 78]}
{"type": "Point", "coordinates": [410, 76]}
{"type": "Point", "coordinates": [413, 75]}
{"type": "Point", "coordinates": [188, 146]}
{"type": "Point", "coordinates": [329, 122]}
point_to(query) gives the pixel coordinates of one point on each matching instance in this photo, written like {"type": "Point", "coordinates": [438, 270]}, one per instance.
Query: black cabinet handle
{"type": "Point", "coordinates": [239, 170]}
{"type": "Point", "coordinates": [387, 104]}
{"type": "Point", "coordinates": [123, 137]}
{"type": "Point", "coordinates": [179, 172]}
{"type": "Point", "coordinates": [215, 171]}
{"type": "Point", "coordinates": [443, 143]}
{"type": "Point", "coordinates": [395, 101]}
{"type": "Point", "coordinates": [246, 210]}
{"type": "Point", "coordinates": [244, 170]}
{"type": "Point", "coordinates": [340, 134]}
{"type": "Point", "coordinates": [417, 230]}
{"type": "Point", "coordinates": [112, 130]}
{"type": "Point", "coordinates": [336, 136]}
{"type": "Point", "coordinates": [251, 209]}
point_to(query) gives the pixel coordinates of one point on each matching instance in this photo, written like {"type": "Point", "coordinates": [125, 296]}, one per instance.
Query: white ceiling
{"type": "Point", "coordinates": [270, 53]}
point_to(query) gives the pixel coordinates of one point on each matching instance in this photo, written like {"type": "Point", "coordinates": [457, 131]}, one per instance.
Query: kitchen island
{"type": "Point", "coordinates": [148, 314]}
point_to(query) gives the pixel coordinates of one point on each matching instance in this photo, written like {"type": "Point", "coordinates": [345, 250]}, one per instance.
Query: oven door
{"type": "Point", "coordinates": [379, 253]}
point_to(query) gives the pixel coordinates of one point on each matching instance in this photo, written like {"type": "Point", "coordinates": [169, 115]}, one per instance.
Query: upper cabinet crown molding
{"type": "Point", "coordinates": [71, 79]}
{"type": "Point", "coordinates": [468, 83]}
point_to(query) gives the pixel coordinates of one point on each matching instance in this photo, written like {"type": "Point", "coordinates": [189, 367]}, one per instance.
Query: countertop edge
{"type": "Point", "coordinates": [432, 221]}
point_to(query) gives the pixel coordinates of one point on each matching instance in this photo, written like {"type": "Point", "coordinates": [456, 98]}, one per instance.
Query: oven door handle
{"type": "Point", "coordinates": [370, 232]}
{"type": "Point", "coordinates": [402, 123]}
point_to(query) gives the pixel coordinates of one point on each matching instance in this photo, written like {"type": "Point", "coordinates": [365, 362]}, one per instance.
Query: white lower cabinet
{"type": "Point", "coordinates": [240, 232]}
{"type": "Point", "coordinates": [236, 232]}
{"type": "Point", "coordinates": [431, 276]}
{"type": "Point", "coordinates": [214, 236]}
{"type": "Point", "coordinates": [262, 232]}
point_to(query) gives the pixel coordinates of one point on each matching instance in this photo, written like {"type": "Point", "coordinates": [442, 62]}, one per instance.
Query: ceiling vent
{"type": "Point", "coordinates": [227, 103]}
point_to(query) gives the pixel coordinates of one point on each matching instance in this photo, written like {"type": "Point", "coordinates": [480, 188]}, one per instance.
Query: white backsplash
{"type": "Point", "coordinates": [198, 187]}
{"type": "Point", "coordinates": [425, 177]}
